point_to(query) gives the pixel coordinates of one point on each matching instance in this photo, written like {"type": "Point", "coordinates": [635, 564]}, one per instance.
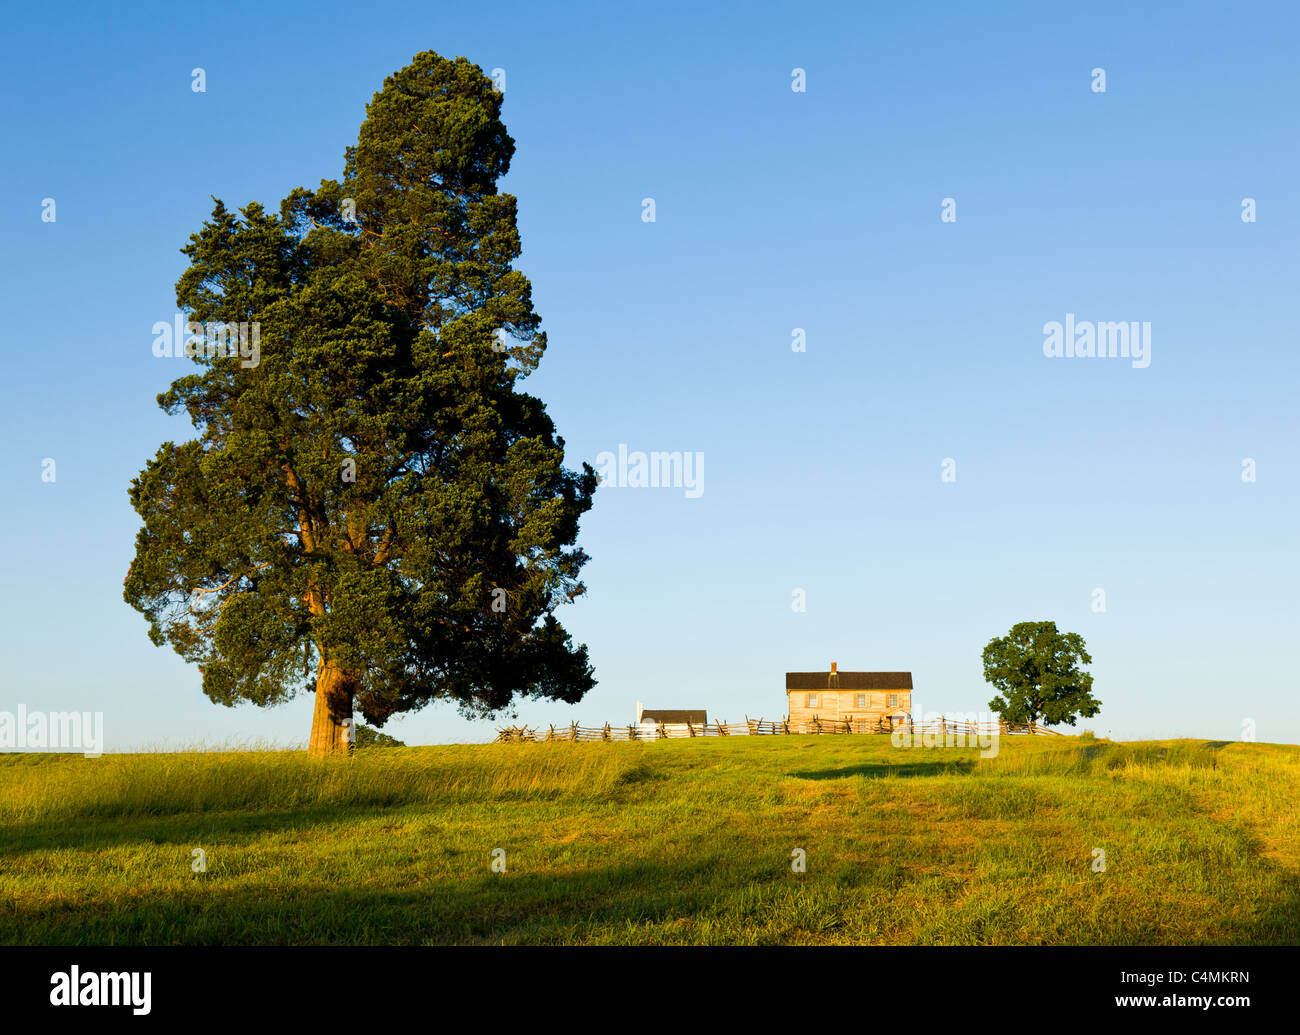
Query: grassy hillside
{"type": "Point", "coordinates": [683, 841]}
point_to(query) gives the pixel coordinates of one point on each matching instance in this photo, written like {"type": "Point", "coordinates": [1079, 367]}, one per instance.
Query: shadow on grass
{"type": "Point", "coordinates": [878, 770]}
{"type": "Point", "coordinates": [683, 901]}
{"type": "Point", "coordinates": [512, 908]}
{"type": "Point", "coordinates": [99, 832]}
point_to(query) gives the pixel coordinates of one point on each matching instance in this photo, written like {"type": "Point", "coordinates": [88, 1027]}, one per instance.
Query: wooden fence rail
{"type": "Point", "coordinates": [941, 728]}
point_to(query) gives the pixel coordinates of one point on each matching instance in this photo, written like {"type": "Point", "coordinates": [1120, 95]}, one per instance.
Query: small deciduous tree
{"type": "Point", "coordinates": [368, 738]}
{"type": "Point", "coordinates": [1036, 668]}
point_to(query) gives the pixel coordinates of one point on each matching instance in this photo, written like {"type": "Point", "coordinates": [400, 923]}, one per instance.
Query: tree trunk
{"type": "Point", "coordinates": [332, 719]}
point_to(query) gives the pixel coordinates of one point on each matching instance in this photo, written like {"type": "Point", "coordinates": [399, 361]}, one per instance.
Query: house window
{"type": "Point", "coordinates": [862, 700]}
{"type": "Point", "coordinates": [893, 700]}
{"type": "Point", "coordinates": [812, 700]}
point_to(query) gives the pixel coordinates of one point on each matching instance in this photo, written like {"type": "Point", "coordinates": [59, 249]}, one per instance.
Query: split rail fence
{"type": "Point", "coordinates": [941, 727]}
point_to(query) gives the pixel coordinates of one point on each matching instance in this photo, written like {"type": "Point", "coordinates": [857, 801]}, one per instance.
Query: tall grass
{"type": "Point", "coordinates": [1079, 759]}
{"type": "Point", "coordinates": [60, 787]}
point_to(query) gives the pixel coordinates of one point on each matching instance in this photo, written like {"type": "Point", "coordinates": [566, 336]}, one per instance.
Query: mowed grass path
{"type": "Point", "coordinates": [685, 841]}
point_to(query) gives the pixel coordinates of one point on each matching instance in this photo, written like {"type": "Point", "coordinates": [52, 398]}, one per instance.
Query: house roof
{"type": "Point", "coordinates": [848, 681]}
{"type": "Point", "coordinates": [663, 715]}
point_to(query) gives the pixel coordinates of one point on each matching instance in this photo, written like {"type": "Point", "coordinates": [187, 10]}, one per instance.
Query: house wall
{"type": "Point", "coordinates": [650, 730]}
{"type": "Point", "coordinates": [843, 704]}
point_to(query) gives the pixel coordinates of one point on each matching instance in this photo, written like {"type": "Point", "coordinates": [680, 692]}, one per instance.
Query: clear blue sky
{"type": "Point", "coordinates": [775, 210]}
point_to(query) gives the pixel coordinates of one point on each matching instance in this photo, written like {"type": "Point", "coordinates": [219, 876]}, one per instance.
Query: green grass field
{"type": "Point", "coordinates": [685, 841]}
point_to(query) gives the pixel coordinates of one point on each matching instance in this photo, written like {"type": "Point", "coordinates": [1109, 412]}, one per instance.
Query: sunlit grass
{"type": "Point", "coordinates": [681, 842]}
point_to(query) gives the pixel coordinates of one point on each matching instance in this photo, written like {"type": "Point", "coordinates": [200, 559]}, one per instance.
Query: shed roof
{"type": "Point", "coordinates": [666, 715]}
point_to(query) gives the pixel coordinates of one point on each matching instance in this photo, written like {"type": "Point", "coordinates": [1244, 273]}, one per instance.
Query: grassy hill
{"type": "Point", "coordinates": [685, 841]}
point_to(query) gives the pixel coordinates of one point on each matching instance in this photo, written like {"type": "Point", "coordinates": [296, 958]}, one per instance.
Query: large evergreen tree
{"type": "Point", "coordinates": [373, 511]}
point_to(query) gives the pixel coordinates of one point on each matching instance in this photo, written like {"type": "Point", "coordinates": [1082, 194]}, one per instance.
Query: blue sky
{"type": "Point", "coordinates": [775, 210]}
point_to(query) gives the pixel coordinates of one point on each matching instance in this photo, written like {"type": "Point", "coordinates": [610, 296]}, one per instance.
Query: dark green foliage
{"type": "Point", "coordinates": [355, 499]}
{"type": "Point", "coordinates": [1036, 668]}
{"type": "Point", "coordinates": [368, 738]}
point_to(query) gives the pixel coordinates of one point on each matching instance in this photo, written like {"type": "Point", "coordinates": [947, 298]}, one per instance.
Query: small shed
{"type": "Point", "coordinates": [674, 720]}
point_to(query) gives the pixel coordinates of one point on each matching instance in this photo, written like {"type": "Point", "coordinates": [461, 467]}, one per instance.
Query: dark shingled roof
{"type": "Point", "coordinates": [661, 715]}
{"type": "Point", "coordinates": [848, 681]}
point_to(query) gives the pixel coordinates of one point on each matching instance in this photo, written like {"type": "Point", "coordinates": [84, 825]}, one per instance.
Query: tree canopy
{"type": "Point", "coordinates": [1036, 669]}
{"type": "Point", "coordinates": [368, 738]}
{"type": "Point", "coordinates": [373, 511]}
